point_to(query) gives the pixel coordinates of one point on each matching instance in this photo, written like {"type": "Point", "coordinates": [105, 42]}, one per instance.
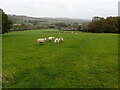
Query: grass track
{"type": "Point", "coordinates": [83, 60]}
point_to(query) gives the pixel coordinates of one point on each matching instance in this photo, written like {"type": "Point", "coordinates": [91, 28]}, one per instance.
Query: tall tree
{"type": "Point", "coordinates": [6, 23]}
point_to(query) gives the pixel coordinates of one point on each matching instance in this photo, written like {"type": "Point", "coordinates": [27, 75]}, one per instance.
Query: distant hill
{"type": "Point", "coordinates": [17, 19]}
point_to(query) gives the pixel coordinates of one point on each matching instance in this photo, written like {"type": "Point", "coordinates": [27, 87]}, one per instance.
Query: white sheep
{"type": "Point", "coordinates": [57, 40]}
{"type": "Point", "coordinates": [41, 40]}
{"type": "Point", "coordinates": [51, 38]}
{"type": "Point", "coordinates": [61, 39]}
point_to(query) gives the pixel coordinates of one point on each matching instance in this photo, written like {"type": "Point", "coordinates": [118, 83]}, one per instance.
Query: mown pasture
{"type": "Point", "coordinates": [82, 60]}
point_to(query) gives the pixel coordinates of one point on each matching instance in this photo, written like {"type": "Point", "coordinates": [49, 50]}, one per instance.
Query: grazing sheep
{"type": "Point", "coordinates": [61, 39]}
{"type": "Point", "coordinates": [57, 40]}
{"type": "Point", "coordinates": [41, 40]}
{"type": "Point", "coordinates": [51, 38]}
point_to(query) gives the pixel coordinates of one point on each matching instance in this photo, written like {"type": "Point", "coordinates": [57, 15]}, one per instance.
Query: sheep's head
{"type": "Point", "coordinates": [45, 39]}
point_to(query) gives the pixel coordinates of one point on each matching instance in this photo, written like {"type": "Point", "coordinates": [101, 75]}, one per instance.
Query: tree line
{"type": "Point", "coordinates": [97, 25]}
{"type": "Point", "coordinates": [103, 25]}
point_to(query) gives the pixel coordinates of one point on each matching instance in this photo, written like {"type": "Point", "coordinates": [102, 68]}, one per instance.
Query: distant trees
{"type": "Point", "coordinates": [6, 23]}
{"type": "Point", "coordinates": [22, 27]}
{"type": "Point", "coordinates": [60, 25]}
{"type": "Point", "coordinates": [101, 25]}
{"type": "Point", "coordinates": [68, 26]}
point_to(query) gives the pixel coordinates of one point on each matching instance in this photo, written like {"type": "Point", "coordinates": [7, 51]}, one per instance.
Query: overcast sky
{"type": "Point", "coordinates": [85, 9]}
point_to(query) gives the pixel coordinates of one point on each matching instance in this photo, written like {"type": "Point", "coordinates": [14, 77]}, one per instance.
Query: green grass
{"type": "Point", "coordinates": [0, 61]}
{"type": "Point", "coordinates": [83, 60]}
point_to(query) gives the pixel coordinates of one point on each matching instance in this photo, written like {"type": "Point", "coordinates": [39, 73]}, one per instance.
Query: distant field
{"type": "Point", "coordinates": [83, 60]}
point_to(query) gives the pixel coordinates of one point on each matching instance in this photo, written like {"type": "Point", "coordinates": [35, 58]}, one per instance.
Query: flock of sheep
{"type": "Point", "coordinates": [56, 40]}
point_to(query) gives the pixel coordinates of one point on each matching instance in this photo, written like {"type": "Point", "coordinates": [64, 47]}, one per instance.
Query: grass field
{"type": "Point", "coordinates": [83, 60]}
{"type": "Point", "coordinates": [0, 61]}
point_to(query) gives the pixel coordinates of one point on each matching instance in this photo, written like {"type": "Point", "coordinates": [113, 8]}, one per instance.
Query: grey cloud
{"type": "Point", "coordinates": [61, 8]}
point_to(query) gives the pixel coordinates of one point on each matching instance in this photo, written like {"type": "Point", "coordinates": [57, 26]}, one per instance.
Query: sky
{"type": "Point", "coordinates": [83, 9]}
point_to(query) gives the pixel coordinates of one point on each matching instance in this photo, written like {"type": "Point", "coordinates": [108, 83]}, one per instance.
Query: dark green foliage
{"type": "Point", "coordinates": [101, 25]}
{"type": "Point", "coordinates": [118, 23]}
{"type": "Point", "coordinates": [6, 23]}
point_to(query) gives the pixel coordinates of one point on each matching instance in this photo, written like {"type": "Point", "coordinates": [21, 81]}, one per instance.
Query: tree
{"type": "Point", "coordinates": [111, 25]}
{"type": "Point", "coordinates": [101, 25]}
{"type": "Point", "coordinates": [85, 28]}
{"type": "Point", "coordinates": [6, 23]}
{"type": "Point", "coordinates": [97, 25]}
{"type": "Point", "coordinates": [97, 19]}
{"type": "Point", "coordinates": [118, 23]}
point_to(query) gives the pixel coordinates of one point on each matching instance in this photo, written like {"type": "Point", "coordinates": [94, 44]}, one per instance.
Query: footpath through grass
{"type": "Point", "coordinates": [83, 60]}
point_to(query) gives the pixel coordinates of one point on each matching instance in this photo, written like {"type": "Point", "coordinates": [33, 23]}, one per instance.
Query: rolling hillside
{"type": "Point", "coordinates": [43, 20]}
